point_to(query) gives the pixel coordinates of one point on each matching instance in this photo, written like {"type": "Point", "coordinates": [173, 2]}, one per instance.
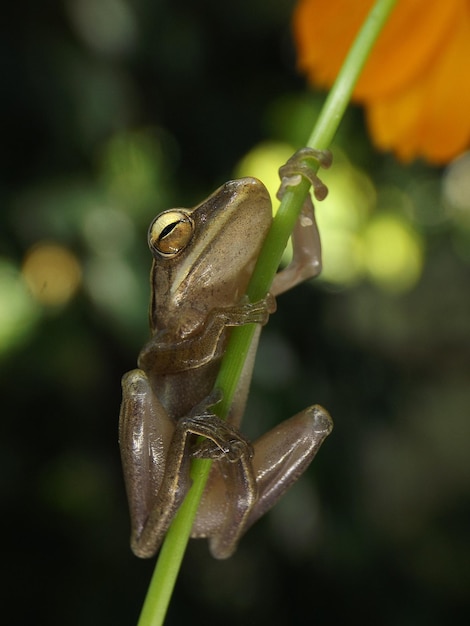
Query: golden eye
{"type": "Point", "coordinates": [170, 232]}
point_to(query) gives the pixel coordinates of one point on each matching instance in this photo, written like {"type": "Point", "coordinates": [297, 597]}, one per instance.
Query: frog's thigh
{"type": "Point", "coordinates": [284, 453]}
{"type": "Point", "coordinates": [145, 433]}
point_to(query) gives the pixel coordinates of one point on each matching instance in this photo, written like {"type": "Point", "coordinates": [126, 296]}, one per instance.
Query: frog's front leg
{"type": "Point", "coordinates": [203, 346]}
{"type": "Point", "coordinates": [306, 246]}
{"type": "Point", "coordinates": [156, 453]}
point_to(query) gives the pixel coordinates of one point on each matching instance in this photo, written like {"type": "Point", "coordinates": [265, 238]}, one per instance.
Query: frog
{"type": "Point", "coordinates": [203, 259]}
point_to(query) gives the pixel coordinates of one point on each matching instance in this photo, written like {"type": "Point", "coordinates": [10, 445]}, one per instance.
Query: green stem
{"type": "Point", "coordinates": [172, 552]}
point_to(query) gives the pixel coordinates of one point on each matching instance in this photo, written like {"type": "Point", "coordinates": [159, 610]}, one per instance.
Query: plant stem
{"type": "Point", "coordinates": [172, 552]}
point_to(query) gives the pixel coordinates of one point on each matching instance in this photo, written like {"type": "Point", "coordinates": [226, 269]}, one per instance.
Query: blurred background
{"type": "Point", "coordinates": [116, 110]}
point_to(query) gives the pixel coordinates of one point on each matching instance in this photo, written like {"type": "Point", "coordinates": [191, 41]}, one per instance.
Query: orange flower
{"type": "Point", "coordinates": [416, 84]}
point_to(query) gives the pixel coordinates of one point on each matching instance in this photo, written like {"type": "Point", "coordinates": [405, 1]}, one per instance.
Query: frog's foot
{"type": "Point", "coordinates": [222, 441]}
{"type": "Point", "coordinates": [302, 164]}
{"type": "Point", "coordinates": [246, 312]}
{"type": "Point", "coordinates": [231, 449]}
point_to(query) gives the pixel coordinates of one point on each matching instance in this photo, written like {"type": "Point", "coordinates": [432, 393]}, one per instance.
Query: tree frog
{"type": "Point", "coordinates": [203, 259]}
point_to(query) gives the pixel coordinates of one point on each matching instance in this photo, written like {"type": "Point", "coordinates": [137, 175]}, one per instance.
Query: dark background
{"type": "Point", "coordinates": [113, 111]}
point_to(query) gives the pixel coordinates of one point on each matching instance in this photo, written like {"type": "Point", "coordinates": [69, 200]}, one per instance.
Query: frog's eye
{"type": "Point", "coordinates": [170, 232]}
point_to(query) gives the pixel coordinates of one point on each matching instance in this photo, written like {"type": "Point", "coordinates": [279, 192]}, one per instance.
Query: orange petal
{"type": "Point", "coordinates": [432, 118]}
{"type": "Point", "coordinates": [324, 31]}
{"type": "Point", "coordinates": [410, 42]}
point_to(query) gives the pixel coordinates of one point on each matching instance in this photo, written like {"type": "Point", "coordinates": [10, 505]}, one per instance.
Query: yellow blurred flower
{"type": "Point", "coordinates": [416, 84]}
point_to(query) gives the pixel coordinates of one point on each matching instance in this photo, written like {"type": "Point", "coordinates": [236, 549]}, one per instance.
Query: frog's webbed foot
{"type": "Point", "coordinates": [222, 441]}
{"type": "Point", "coordinates": [230, 445]}
{"type": "Point", "coordinates": [302, 164]}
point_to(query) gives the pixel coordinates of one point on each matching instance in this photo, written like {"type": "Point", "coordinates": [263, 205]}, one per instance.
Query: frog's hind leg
{"type": "Point", "coordinates": [229, 497]}
{"type": "Point", "coordinates": [284, 453]}
{"type": "Point", "coordinates": [145, 436]}
{"type": "Point", "coordinates": [239, 493]}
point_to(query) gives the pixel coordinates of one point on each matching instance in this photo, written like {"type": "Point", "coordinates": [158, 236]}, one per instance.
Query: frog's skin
{"type": "Point", "coordinates": [203, 260]}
